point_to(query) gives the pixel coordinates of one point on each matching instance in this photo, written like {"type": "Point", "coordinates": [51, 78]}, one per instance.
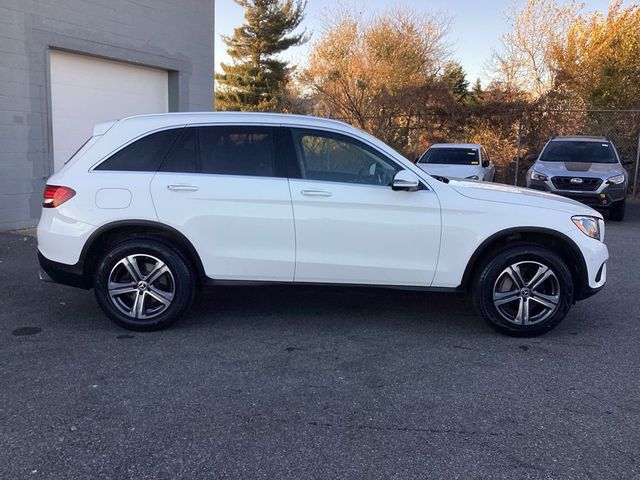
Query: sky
{"type": "Point", "coordinates": [475, 29]}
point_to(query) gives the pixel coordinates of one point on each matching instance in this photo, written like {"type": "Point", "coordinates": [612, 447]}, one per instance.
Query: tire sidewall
{"type": "Point", "coordinates": [183, 278]}
{"type": "Point", "coordinates": [483, 293]}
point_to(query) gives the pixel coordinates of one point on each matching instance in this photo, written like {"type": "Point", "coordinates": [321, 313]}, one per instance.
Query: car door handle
{"type": "Point", "coordinates": [183, 188]}
{"type": "Point", "coordinates": [316, 193]}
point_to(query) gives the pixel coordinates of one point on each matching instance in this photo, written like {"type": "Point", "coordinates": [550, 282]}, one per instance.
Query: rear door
{"type": "Point", "coordinates": [351, 227]}
{"type": "Point", "coordinates": [226, 190]}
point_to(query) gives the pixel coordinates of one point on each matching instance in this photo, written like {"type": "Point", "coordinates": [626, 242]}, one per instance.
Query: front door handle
{"type": "Point", "coordinates": [183, 188]}
{"type": "Point", "coordinates": [315, 193]}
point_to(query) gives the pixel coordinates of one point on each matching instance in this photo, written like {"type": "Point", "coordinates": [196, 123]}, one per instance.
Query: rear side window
{"type": "Point", "coordinates": [144, 155]}
{"type": "Point", "coordinates": [183, 155]}
{"type": "Point", "coordinates": [224, 150]}
{"type": "Point", "coordinates": [237, 151]}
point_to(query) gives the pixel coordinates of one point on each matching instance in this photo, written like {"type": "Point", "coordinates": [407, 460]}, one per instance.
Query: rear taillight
{"type": "Point", "coordinates": [54, 195]}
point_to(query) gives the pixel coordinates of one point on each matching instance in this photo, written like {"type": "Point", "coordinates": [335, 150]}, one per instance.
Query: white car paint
{"type": "Point", "coordinates": [353, 233]}
{"type": "Point", "coordinates": [241, 226]}
{"type": "Point", "coordinates": [249, 228]}
{"type": "Point", "coordinates": [485, 170]}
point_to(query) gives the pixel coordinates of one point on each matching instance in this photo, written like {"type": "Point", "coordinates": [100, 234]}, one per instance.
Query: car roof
{"type": "Point", "coordinates": [456, 145]}
{"type": "Point", "coordinates": [580, 138]}
{"type": "Point", "coordinates": [239, 117]}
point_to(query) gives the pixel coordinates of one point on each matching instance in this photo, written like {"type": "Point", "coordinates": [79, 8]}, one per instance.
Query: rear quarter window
{"type": "Point", "coordinates": [143, 155]}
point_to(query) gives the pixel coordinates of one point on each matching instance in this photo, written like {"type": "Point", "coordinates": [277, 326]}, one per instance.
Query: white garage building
{"type": "Point", "coordinates": [69, 64]}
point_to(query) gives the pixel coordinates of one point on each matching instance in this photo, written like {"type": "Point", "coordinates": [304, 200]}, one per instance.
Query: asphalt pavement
{"type": "Point", "coordinates": [317, 382]}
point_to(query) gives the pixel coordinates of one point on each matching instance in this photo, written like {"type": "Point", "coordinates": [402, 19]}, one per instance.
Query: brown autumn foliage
{"type": "Point", "coordinates": [387, 75]}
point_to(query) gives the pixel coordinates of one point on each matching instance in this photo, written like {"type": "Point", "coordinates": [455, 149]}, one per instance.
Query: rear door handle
{"type": "Point", "coordinates": [183, 188]}
{"type": "Point", "coordinates": [315, 193]}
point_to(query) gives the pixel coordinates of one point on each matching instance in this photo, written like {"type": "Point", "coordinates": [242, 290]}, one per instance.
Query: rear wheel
{"type": "Point", "coordinates": [616, 211]}
{"type": "Point", "coordinates": [144, 285]}
{"type": "Point", "coordinates": [523, 291]}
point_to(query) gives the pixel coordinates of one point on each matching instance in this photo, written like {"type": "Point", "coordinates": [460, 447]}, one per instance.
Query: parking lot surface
{"type": "Point", "coordinates": [311, 382]}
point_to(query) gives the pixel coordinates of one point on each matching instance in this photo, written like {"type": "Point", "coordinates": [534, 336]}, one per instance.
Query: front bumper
{"type": "Point", "coordinates": [602, 198]}
{"type": "Point", "coordinates": [595, 255]}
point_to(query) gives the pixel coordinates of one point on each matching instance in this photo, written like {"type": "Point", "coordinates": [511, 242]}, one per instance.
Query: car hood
{"type": "Point", "coordinates": [600, 170]}
{"type": "Point", "coordinates": [495, 192]}
{"type": "Point", "coordinates": [450, 171]}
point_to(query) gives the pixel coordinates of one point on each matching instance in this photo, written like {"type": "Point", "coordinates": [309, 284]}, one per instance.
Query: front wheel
{"type": "Point", "coordinates": [523, 291]}
{"type": "Point", "coordinates": [144, 285]}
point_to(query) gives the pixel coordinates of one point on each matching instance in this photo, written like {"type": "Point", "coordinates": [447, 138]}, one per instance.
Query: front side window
{"type": "Point", "coordinates": [223, 150]}
{"type": "Point", "coordinates": [578, 151]}
{"type": "Point", "coordinates": [337, 158]}
{"type": "Point", "coordinates": [143, 155]}
{"type": "Point", "coordinates": [451, 156]}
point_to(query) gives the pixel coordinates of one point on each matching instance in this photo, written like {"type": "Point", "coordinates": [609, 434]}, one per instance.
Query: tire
{"type": "Point", "coordinates": [146, 270]}
{"type": "Point", "coordinates": [616, 211]}
{"type": "Point", "coordinates": [496, 282]}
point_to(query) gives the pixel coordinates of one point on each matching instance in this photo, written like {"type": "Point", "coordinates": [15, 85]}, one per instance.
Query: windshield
{"type": "Point", "coordinates": [579, 152]}
{"type": "Point", "coordinates": [451, 156]}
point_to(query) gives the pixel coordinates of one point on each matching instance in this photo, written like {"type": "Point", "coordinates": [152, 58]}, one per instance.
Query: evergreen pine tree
{"type": "Point", "coordinates": [456, 80]}
{"type": "Point", "coordinates": [256, 78]}
{"type": "Point", "coordinates": [477, 92]}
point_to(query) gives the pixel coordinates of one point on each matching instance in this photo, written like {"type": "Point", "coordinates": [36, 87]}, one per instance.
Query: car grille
{"type": "Point", "coordinates": [588, 184]}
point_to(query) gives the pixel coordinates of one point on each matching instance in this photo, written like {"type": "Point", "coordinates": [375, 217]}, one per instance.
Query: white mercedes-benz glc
{"type": "Point", "coordinates": [153, 208]}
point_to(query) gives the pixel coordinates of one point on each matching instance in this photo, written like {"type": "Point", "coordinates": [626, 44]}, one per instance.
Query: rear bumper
{"type": "Point", "coordinates": [71, 275]}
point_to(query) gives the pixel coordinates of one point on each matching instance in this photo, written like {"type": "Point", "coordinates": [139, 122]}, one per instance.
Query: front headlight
{"type": "Point", "coordinates": [617, 180]}
{"type": "Point", "coordinates": [539, 176]}
{"type": "Point", "coordinates": [588, 225]}
{"type": "Point", "coordinates": [472, 177]}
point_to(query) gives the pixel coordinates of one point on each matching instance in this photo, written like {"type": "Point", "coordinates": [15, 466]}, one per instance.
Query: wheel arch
{"type": "Point", "coordinates": [556, 241]}
{"type": "Point", "coordinates": [116, 232]}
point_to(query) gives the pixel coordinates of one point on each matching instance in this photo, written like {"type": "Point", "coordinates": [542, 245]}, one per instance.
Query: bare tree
{"type": "Point", "coordinates": [526, 59]}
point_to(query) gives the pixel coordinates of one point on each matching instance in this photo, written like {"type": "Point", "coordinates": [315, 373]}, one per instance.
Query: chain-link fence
{"type": "Point", "coordinates": [509, 133]}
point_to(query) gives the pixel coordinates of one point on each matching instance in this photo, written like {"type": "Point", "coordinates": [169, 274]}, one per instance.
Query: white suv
{"type": "Point", "coordinates": [152, 208]}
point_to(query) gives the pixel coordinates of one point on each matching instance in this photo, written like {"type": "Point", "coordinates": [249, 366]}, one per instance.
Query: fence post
{"type": "Point", "coordinates": [515, 179]}
{"type": "Point", "coordinates": [635, 177]}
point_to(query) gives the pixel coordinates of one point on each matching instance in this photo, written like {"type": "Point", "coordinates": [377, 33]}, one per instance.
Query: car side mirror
{"type": "Point", "coordinates": [405, 180]}
{"type": "Point", "coordinates": [486, 164]}
{"type": "Point", "coordinates": [626, 161]}
{"type": "Point", "coordinates": [532, 157]}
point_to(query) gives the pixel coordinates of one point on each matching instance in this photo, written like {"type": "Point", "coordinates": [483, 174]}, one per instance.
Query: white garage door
{"type": "Point", "coordinates": [87, 90]}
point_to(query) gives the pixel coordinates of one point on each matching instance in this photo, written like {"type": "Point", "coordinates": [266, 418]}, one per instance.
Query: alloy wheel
{"type": "Point", "coordinates": [526, 293]}
{"type": "Point", "coordinates": [141, 286]}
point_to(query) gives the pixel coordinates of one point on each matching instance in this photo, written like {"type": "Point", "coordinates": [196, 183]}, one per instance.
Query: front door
{"type": "Point", "coordinates": [351, 227]}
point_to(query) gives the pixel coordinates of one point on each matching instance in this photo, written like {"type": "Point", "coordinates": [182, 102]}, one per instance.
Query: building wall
{"type": "Point", "coordinates": [176, 35]}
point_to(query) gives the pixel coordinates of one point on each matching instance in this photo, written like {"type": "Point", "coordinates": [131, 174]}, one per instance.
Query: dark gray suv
{"type": "Point", "coordinates": [587, 169]}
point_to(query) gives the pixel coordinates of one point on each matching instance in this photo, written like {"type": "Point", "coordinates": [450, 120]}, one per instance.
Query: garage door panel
{"type": "Point", "coordinates": [87, 90]}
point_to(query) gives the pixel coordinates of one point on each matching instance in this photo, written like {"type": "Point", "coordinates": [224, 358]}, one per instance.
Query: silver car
{"type": "Point", "coordinates": [587, 169]}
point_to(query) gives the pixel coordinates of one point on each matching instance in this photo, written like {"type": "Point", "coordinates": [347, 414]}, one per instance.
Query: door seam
{"type": "Point", "coordinates": [295, 232]}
